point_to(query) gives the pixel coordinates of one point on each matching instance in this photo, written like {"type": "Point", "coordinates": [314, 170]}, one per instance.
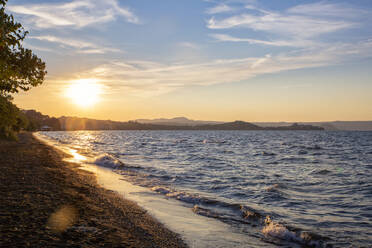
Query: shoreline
{"type": "Point", "coordinates": [194, 229]}
{"type": "Point", "coordinates": [49, 202]}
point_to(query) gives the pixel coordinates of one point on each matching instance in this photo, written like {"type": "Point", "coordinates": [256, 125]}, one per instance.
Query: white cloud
{"type": "Point", "coordinates": [64, 41]}
{"type": "Point", "coordinates": [76, 14]}
{"type": "Point", "coordinates": [144, 78]}
{"type": "Point", "coordinates": [81, 46]}
{"type": "Point", "coordinates": [299, 26]}
{"type": "Point", "coordinates": [219, 9]}
{"type": "Point", "coordinates": [327, 9]}
{"type": "Point", "coordinates": [260, 61]}
{"type": "Point", "coordinates": [289, 43]}
{"type": "Point", "coordinates": [100, 50]}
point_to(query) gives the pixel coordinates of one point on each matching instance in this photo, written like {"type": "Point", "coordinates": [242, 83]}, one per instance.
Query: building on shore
{"type": "Point", "coordinates": [45, 128]}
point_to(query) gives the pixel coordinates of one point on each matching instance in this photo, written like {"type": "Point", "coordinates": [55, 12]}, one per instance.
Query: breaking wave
{"type": "Point", "coordinates": [235, 213]}
{"type": "Point", "coordinates": [106, 160]}
{"type": "Point", "coordinates": [280, 231]}
{"type": "Point", "coordinates": [309, 180]}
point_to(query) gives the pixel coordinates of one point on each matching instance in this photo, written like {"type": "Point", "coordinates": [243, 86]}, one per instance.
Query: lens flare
{"type": "Point", "coordinates": [84, 92]}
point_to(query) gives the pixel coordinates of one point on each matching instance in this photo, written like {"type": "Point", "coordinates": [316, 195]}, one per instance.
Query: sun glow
{"type": "Point", "coordinates": [84, 92]}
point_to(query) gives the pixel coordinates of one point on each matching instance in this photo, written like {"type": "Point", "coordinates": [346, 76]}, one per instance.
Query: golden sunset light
{"type": "Point", "coordinates": [204, 123]}
{"type": "Point", "coordinates": [84, 92]}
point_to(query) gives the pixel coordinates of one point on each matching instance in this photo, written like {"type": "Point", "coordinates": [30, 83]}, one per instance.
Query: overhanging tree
{"type": "Point", "coordinates": [20, 69]}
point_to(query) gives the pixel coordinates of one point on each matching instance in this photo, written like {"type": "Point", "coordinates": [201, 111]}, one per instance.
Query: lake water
{"type": "Point", "coordinates": [283, 188]}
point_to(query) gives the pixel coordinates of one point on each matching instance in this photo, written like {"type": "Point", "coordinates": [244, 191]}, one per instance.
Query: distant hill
{"type": "Point", "coordinates": [38, 120]}
{"type": "Point", "coordinates": [331, 125]}
{"type": "Point", "coordinates": [352, 125]}
{"type": "Point", "coordinates": [242, 125]}
{"type": "Point", "coordinates": [76, 123]}
{"type": "Point", "coordinates": [236, 125]}
{"type": "Point", "coordinates": [177, 121]}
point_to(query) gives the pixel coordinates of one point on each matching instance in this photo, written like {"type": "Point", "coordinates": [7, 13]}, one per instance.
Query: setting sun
{"type": "Point", "coordinates": [84, 92]}
{"type": "Point", "coordinates": [205, 123]}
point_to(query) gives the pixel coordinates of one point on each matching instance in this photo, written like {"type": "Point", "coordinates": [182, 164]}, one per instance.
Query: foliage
{"type": "Point", "coordinates": [12, 120]}
{"type": "Point", "coordinates": [37, 120]}
{"type": "Point", "coordinates": [20, 69]}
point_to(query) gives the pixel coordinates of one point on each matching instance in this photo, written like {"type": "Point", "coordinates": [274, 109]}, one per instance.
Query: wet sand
{"type": "Point", "coordinates": [47, 202]}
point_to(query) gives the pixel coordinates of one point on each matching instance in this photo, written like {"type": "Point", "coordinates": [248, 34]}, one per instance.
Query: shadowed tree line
{"type": "Point", "coordinates": [20, 70]}
{"type": "Point", "coordinates": [37, 120]}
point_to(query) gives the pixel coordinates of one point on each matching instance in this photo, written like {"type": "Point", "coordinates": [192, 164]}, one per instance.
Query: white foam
{"type": "Point", "coordinates": [106, 160]}
{"type": "Point", "coordinates": [182, 196]}
{"type": "Point", "coordinates": [161, 190]}
{"type": "Point", "coordinates": [279, 231]}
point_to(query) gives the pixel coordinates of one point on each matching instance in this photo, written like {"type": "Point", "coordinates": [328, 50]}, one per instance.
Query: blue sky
{"type": "Point", "coordinates": [210, 59]}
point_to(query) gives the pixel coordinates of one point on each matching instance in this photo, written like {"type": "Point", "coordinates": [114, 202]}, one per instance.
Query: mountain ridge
{"type": "Point", "coordinates": [183, 123]}
{"type": "Point", "coordinates": [327, 125]}
{"type": "Point", "coordinates": [176, 121]}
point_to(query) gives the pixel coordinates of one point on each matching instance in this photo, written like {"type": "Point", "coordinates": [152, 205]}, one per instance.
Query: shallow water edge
{"type": "Point", "coordinates": [196, 230]}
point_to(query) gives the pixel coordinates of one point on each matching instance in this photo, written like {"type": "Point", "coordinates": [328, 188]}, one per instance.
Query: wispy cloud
{"type": "Point", "coordinates": [64, 41]}
{"type": "Point", "coordinates": [221, 8]}
{"type": "Point", "coordinates": [76, 14]}
{"type": "Point", "coordinates": [81, 46]}
{"type": "Point", "coordinates": [280, 43]}
{"type": "Point", "coordinates": [260, 61]}
{"type": "Point", "coordinates": [327, 9]}
{"type": "Point", "coordinates": [144, 78]}
{"type": "Point", "coordinates": [298, 26]}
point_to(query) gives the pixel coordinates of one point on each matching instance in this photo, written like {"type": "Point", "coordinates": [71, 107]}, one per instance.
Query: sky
{"type": "Point", "coordinates": [225, 60]}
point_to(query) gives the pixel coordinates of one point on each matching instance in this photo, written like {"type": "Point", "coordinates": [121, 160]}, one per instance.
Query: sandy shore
{"type": "Point", "coordinates": [46, 202]}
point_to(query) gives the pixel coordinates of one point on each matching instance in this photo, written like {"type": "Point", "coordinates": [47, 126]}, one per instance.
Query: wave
{"type": "Point", "coordinates": [270, 229]}
{"type": "Point", "coordinates": [250, 214]}
{"type": "Point", "coordinates": [280, 231]}
{"type": "Point", "coordinates": [224, 211]}
{"type": "Point", "coordinates": [236, 213]}
{"type": "Point", "coordinates": [107, 160]}
{"type": "Point", "coordinates": [276, 174]}
{"type": "Point", "coordinates": [229, 212]}
{"type": "Point", "coordinates": [205, 212]}
{"type": "Point", "coordinates": [179, 195]}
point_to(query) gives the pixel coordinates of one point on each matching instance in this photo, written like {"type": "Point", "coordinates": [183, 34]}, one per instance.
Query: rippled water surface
{"type": "Point", "coordinates": [315, 187]}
